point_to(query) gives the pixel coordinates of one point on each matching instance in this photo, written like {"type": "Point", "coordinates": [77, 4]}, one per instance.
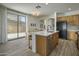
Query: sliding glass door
{"type": "Point", "coordinates": [16, 26]}
{"type": "Point", "coordinates": [22, 26]}
{"type": "Point", "coordinates": [12, 26]}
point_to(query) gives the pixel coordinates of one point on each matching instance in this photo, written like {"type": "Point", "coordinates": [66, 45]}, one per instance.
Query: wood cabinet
{"type": "Point", "coordinates": [63, 18]}
{"type": "Point", "coordinates": [70, 19]}
{"type": "Point", "coordinates": [77, 40]}
{"type": "Point", "coordinates": [45, 45]}
{"type": "Point", "coordinates": [71, 35]}
{"type": "Point", "coordinates": [73, 19]}
{"type": "Point", "coordinates": [76, 19]}
{"type": "Point", "coordinates": [41, 44]}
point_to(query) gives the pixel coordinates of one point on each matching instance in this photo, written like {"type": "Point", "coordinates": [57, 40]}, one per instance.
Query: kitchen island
{"type": "Point", "coordinates": [44, 42]}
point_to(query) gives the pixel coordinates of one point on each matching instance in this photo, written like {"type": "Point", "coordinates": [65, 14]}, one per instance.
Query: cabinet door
{"type": "Point", "coordinates": [41, 45]}
{"type": "Point", "coordinates": [67, 19]}
{"type": "Point", "coordinates": [51, 41]}
{"type": "Point", "coordinates": [58, 18]}
{"type": "Point", "coordinates": [72, 35]}
{"type": "Point", "coordinates": [73, 20]}
{"type": "Point", "coordinates": [54, 40]}
{"type": "Point", "coordinates": [70, 19]}
{"type": "Point", "coordinates": [49, 45]}
{"type": "Point", "coordinates": [63, 18]}
{"type": "Point", "coordinates": [56, 36]}
{"type": "Point", "coordinates": [76, 20]}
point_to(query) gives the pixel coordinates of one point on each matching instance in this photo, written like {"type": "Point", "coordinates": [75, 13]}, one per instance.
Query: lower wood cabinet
{"type": "Point", "coordinates": [41, 44]}
{"type": "Point", "coordinates": [71, 35]}
{"type": "Point", "coordinates": [45, 45]}
{"type": "Point", "coordinates": [78, 41]}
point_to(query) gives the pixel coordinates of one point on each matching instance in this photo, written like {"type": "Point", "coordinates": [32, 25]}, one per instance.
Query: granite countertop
{"type": "Point", "coordinates": [73, 30]}
{"type": "Point", "coordinates": [44, 33]}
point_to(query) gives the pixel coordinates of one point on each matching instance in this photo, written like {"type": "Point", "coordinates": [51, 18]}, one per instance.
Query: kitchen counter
{"type": "Point", "coordinates": [46, 42]}
{"type": "Point", "coordinates": [41, 33]}
{"type": "Point", "coordinates": [44, 33]}
{"type": "Point", "coordinates": [73, 30]}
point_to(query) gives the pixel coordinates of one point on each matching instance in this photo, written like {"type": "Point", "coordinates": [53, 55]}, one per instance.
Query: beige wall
{"type": "Point", "coordinates": [33, 20]}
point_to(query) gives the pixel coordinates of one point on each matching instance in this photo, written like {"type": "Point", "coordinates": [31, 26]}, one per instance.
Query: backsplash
{"type": "Point", "coordinates": [72, 27]}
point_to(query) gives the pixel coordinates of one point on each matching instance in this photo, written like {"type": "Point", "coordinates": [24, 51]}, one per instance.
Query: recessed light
{"type": "Point", "coordinates": [46, 3]}
{"type": "Point", "coordinates": [69, 9]}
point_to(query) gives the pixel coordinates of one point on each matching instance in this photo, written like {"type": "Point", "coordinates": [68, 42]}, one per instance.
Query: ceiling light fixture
{"type": "Point", "coordinates": [46, 3]}
{"type": "Point", "coordinates": [36, 11]}
{"type": "Point", "coordinates": [69, 9]}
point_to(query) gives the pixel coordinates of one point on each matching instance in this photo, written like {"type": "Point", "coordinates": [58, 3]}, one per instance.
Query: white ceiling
{"type": "Point", "coordinates": [45, 9]}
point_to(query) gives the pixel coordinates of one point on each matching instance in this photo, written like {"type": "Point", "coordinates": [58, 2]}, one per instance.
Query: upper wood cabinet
{"type": "Point", "coordinates": [61, 18]}
{"type": "Point", "coordinates": [70, 19]}
{"type": "Point", "coordinates": [74, 19]}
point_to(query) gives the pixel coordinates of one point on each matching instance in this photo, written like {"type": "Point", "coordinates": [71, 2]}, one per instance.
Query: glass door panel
{"type": "Point", "coordinates": [12, 26]}
{"type": "Point", "coordinates": [16, 26]}
{"type": "Point", "coordinates": [22, 26]}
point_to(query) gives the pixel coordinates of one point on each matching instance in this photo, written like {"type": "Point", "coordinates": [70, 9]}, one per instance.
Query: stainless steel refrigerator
{"type": "Point", "coordinates": [62, 28]}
